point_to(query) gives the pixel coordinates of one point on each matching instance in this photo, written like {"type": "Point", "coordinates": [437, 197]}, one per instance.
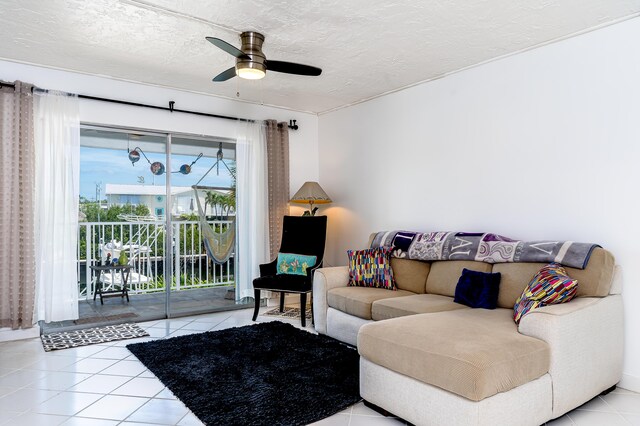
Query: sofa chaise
{"type": "Point", "coordinates": [432, 361]}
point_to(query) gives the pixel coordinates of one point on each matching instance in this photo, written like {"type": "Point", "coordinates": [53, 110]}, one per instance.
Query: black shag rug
{"type": "Point", "coordinates": [265, 374]}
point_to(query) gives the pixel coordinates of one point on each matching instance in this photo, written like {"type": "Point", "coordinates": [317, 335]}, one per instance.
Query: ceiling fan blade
{"type": "Point", "coordinates": [225, 75]}
{"type": "Point", "coordinates": [231, 50]}
{"type": "Point", "coordinates": [292, 68]}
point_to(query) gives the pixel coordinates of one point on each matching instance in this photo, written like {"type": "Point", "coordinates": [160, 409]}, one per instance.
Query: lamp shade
{"type": "Point", "coordinates": [311, 192]}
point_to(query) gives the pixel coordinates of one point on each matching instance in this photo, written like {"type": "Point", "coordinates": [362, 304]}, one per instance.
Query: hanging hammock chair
{"type": "Point", "coordinates": [218, 245]}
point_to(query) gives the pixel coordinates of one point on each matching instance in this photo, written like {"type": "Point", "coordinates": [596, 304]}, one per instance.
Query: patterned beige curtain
{"type": "Point", "coordinates": [278, 180]}
{"type": "Point", "coordinates": [17, 248]}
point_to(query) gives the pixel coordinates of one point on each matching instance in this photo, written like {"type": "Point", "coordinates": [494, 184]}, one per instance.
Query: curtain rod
{"type": "Point", "coordinates": [170, 108]}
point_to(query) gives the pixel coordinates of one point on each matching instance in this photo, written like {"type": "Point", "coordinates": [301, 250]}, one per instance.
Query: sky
{"type": "Point", "coordinates": [102, 165]}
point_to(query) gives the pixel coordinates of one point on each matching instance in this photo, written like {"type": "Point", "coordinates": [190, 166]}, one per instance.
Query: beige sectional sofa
{"type": "Point", "coordinates": [432, 361]}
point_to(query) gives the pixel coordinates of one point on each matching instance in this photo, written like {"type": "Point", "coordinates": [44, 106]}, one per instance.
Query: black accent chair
{"type": "Point", "coordinates": [300, 235]}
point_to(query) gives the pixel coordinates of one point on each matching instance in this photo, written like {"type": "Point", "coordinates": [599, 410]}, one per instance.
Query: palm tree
{"type": "Point", "coordinates": [211, 199]}
{"type": "Point", "coordinates": [225, 202]}
{"type": "Point", "coordinates": [230, 198]}
{"type": "Point", "coordinates": [232, 191]}
{"type": "Point", "coordinates": [228, 202]}
{"type": "Point", "coordinates": [224, 205]}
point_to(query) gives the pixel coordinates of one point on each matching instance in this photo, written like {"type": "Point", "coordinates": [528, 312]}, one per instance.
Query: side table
{"type": "Point", "coordinates": [124, 274]}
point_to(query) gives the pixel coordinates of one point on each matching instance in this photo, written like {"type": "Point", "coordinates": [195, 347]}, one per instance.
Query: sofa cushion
{"type": "Point", "coordinates": [443, 276]}
{"type": "Point", "coordinates": [514, 278]}
{"type": "Point", "coordinates": [478, 289]}
{"type": "Point", "coordinates": [411, 305]}
{"type": "Point", "coordinates": [593, 281]}
{"type": "Point", "coordinates": [410, 275]}
{"type": "Point", "coordinates": [357, 300]}
{"type": "Point", "coordinates": [596, 279]}
{"type": "Point", "coordinates": [371, 268]}
{"type": "Point", "coordinates": [550, 286]}
{"type": "Point", "coordinates": [474, 353]}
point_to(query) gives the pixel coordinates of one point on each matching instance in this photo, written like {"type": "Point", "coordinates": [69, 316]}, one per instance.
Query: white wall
{"type": "Point", "coordinates": [541, 145]}
{"type": "Point", "coordinates": [303, 143]}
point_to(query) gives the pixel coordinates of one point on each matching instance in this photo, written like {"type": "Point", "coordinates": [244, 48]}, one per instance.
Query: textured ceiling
{"type": "Point", "coordinates": [365, 47]}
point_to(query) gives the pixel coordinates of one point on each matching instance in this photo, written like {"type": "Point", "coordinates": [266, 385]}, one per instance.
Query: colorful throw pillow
{"type": "Point", "coordinates": [550, 286]}
{"type": "Point", "coordinates": [294, 264]}
{"type": "Point", "coordinates": [478, 289]}
{"type": "Point", "coordinates": [371, 268]}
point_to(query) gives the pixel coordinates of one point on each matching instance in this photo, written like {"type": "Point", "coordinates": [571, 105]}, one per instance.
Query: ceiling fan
{"type": "Point", "coordinates": [252, 64]}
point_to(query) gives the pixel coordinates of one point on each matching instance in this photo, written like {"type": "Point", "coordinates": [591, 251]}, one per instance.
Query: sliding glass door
{"type": "Point", "coordinates": [121, 222]}
{"type": "Point", "coordinates": [139, 207]}
{"type": "Point", "coordinates": [202, 213]}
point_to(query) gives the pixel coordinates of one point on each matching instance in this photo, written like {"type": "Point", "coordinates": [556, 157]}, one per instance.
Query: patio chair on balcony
{"type": "Point", "coordinates": [303, 235]}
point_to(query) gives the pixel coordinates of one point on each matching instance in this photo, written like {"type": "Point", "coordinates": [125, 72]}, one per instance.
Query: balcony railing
{"type": "Point", "coordinates": [144, 244]}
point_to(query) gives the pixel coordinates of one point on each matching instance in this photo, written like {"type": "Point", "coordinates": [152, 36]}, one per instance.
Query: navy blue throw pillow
{"type": "Point", "coordinates": [478, 289]}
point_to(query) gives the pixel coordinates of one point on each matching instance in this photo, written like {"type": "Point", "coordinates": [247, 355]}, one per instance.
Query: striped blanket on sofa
{"type": "Point", "coordinates": [482, 247]}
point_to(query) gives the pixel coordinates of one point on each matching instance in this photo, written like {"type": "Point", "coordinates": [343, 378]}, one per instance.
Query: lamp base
{"type": "Point", "coordinates": [310, 212]}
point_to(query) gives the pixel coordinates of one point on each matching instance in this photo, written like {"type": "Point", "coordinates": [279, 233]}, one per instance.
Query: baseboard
{"type": "Point", "coordinates": [629, 382]}
{"type": "Point", "coordinates": [8, 335]}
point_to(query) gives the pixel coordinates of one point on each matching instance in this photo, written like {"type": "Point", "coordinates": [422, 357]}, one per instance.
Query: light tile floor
{"type": "Point", "coordinates": [106, 385]}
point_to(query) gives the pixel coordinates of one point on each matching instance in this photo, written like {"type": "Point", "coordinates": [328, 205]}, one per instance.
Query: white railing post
{"type": "Point", "coordinates": [176, 269]}
{"type": "Point", "coordinates": [192, 254]}
{"type": "Point", "coordinates": [88, 242]}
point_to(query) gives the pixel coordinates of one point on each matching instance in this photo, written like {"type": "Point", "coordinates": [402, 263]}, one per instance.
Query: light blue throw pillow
{"type": "Point", "coordinates": [294, 264]}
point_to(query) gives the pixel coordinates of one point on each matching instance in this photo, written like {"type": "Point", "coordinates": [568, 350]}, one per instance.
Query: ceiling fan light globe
{"type": "Point", "coordinates": [250, 73]}
{"type": "Point", "coordinates": [251, 70]}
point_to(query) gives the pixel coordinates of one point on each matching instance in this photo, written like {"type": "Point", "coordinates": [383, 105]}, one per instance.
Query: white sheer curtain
{"type": "Point", "coordinates": [252, 212]}
{"type": "Point", "coordinates": [57, 146]}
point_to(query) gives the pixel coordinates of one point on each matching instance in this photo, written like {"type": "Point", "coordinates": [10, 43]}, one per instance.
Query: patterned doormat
{"type": "Point", "coordinates": [289, 312]}
{"type": "Point", "coordinates": [91, 336]}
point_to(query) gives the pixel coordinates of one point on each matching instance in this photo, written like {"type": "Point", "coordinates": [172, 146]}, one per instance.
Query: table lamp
{"type": "Point", "coordinates": [312, 193]}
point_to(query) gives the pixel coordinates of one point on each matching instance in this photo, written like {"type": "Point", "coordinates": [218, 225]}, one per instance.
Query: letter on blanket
{"type": "Point", "coordinates": [538, 246]}
{"type": "Point", "coordinates": [463, 243]}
